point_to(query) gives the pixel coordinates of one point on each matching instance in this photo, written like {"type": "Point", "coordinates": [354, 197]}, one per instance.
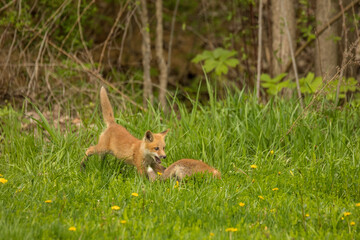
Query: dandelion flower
{"type": "Point", "coordinates": [115, 207]}
{"type": "Point", "coordinates": [123, 221]}
{"type": "Point", "coordinates": [275, 189]}
{"type": "Point", "coordinates": [342, 218]}
{"type": "Point", "coordinates": [159, 173]}
{"type": "Point", "coordinates": [48, 201]}
{"type": "Point", "coordinates": [3, 180]}
{"type": "Point", "coordinates": [307, 215]}
{"type": "Point", "coordinates": [241, 204]}
{"type": "Point", "coordinates": [261, 197]}
{"type": "Point", "coordinates": [272, 152]}
{"type": "Point", "coordinates": [212, 234]}
{"type": "Point", "coordinates": [253, 166]}
{"type": "Point", "coordinates": [1, 175]}
{"type": "Point", "coordinates": [134, 194]}
{"type": "Point", "coordinates": [231, 229]}
{"type": "Point", "coordinates": [358, 204]}
{"type": "Point", "coordinates": [352, 223]}
{"type": "Point", "coordinates": [177, 184]}
{"type": "Point", "coordinates": [347, 214]}
{"type": "Point", "coordinates": [72, 229]}
{"type": "Point", "coordinates": [279, 173]}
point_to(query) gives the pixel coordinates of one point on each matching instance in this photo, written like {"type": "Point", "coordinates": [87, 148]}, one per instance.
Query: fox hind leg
{"type": "Point", "coordinates": [91, 151]}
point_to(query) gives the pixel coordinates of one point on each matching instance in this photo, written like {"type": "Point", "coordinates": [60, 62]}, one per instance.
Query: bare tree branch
{"type": "Point", "coordinates": [146, 52]}
{"type": "Point", "coordinates": [326, 26]}
{"type": "Point", "coordinates": [160, 55]}
{"type": "Point", "coordinates": [121, 11]}
{"type": "Point", "coordinates": [259, 52]}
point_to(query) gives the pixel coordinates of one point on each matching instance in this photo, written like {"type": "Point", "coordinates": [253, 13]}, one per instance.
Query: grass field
{"type": "Point", "coordinates": [302, 185]}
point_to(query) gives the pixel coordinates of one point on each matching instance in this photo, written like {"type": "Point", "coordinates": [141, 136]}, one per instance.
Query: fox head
{"type": "Point", "coordinates": [155, 145]}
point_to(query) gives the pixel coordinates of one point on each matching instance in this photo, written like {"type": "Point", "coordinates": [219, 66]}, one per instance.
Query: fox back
{"type": "Point", "coordinates": [188, 167]}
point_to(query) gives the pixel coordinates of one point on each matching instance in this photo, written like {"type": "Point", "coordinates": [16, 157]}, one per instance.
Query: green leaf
{"type": "Point", "coordinates": [221, 69]}
{"type": "Point", "coordinates": [209, 65]}
{"type": "Point", "coordinates": [232, 62]}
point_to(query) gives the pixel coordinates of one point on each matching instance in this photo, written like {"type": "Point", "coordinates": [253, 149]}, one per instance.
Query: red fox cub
{"type": "Point", "coordinates": [183, 168]}
{"type": "Point", "coordinates": [116, 140]}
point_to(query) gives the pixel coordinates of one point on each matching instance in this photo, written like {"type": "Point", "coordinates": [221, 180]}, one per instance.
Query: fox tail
{"type": "Point", "coordinates": [107, 111]}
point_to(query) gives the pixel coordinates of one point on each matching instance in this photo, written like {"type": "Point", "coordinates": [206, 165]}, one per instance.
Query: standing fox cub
{"type": "Point", "coordinates": [183, 168]}
{"type": "Point", "coordinates": [116, 140]}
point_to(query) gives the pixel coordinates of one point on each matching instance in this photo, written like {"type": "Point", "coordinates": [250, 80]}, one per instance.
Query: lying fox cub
{"type": "Point", "coordinates": [116, 140]}
{"type": "Point", "coordinates": [183, 168]}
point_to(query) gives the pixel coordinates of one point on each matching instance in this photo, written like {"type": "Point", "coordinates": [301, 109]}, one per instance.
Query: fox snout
{"type": "Point", "coordinates": [162, 156]}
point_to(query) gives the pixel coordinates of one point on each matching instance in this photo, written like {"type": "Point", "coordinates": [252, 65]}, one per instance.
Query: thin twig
{"type": "Point", "coordinates": [315, 96]}
{"type": "Point", "coordinates": [54, 16]}
{"type": "Point", "coordinates": [9, 54]}
{"type": "Point", "coordinates": [7, 5]}
{"type": "Point", "coordinates": [172, 35]}
{"type": "Point", "coordinates": [294, 63]}
{"type": "Point", "coordinates": [34, 74]}
{"type": "Point", "coordinates": [159, 53]}
{"type": "Point", "coordinates": [121, 11]}
{"type": "Point", "coordinates": [326, 26]}
{"type": "Point", "coordinates": [344, 29]}
{"type": "Point", "coordinates": [146, 53]}
{"type": "Point", "coordinates": [76, 23]}
{"type": "Point", "coordinates": [124, 35]}
{"type": "Point", "coordinates": [259, 52]}
{"type": "Point", "coordinates": [94, 74]}
{"type": "Point", "coordinates": [81, 34]}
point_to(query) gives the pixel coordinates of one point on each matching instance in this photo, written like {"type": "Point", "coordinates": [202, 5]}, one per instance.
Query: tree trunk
{"type": "Point", "coordinates": [146, 52]}
{"type": "Point", "coordinates": [160, 55]}
{"type": "Point", "coordinates": [327, 55]}
{"type": "Point", "coordinates": [281, 10]}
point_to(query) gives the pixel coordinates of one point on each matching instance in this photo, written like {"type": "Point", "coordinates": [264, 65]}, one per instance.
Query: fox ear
{"type": "Point", "coordinates": [165, 132]}
{"type": "Point", "coordinates": [149, 136]}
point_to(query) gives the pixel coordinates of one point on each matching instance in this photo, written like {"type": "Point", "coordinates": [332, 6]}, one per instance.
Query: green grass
{"type": "Point", "coordinates": [316, 169]}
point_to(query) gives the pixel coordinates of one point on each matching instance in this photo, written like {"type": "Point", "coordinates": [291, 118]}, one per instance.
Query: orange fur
{"type": "Point", "coordinates": [118, 141]}
{"type": "Point", "coordinates": [185, 167]}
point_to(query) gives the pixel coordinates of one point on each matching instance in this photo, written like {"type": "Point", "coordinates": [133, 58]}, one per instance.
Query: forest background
{"type": "Point", "coordinates": [56, 51]}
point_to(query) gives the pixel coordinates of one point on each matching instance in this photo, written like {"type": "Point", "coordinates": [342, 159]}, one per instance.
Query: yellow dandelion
{"type": "Point", "coordinates": [134, 194]}
{"type": "Point", "coordinates": [261, 197]}
{"type": "Point", "coordinates": [307, 215]}
{"type": "Point", "coordinates": [253, 166]}
{"type": "Point", "coordinates": [358, 204]}
{"type": "Point", "coordinates": [123, 221]}
{"type": "Point", "coordinates": [115, 207]}
{"type": "Point", "coordinates": [291, 173]}
{"type": "Point", "coordinates": [352, 223]}
{"type": "Point", "coordinates": [273, 210]}
{"type": "Point", "coordinates": [231, 229]}
{"type": "Point", "coordinates": [272, 152]}
{"type": "Point", "coordinates": [275, 189]}
{"type": "Point", "coordinates": [1, 175]}
{"type": "Point", "coordinates": [279, 173]}
{"type": "Point", "coordinates": [48, 201]}
{"type": "Point", "coordinates": [177, 184]}
{"type": "Point", "coordinates": [347, 214]}
{"type": "Point", "coordinates": [212, 234]}
{"type": "Point", "coordinates": [3, 180]}
{"type": "Point", "coordinates": [72, 229]}
{"type": "Point", "coordinates": [159, 173]}
{"type": "Point", "coordinates": [342, 218]}
{"type": "Point", "coordinates": [241, 204]}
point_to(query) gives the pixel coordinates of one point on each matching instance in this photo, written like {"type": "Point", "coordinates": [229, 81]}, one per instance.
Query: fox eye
{"type": "Point", "coordinates": [157, 148]}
